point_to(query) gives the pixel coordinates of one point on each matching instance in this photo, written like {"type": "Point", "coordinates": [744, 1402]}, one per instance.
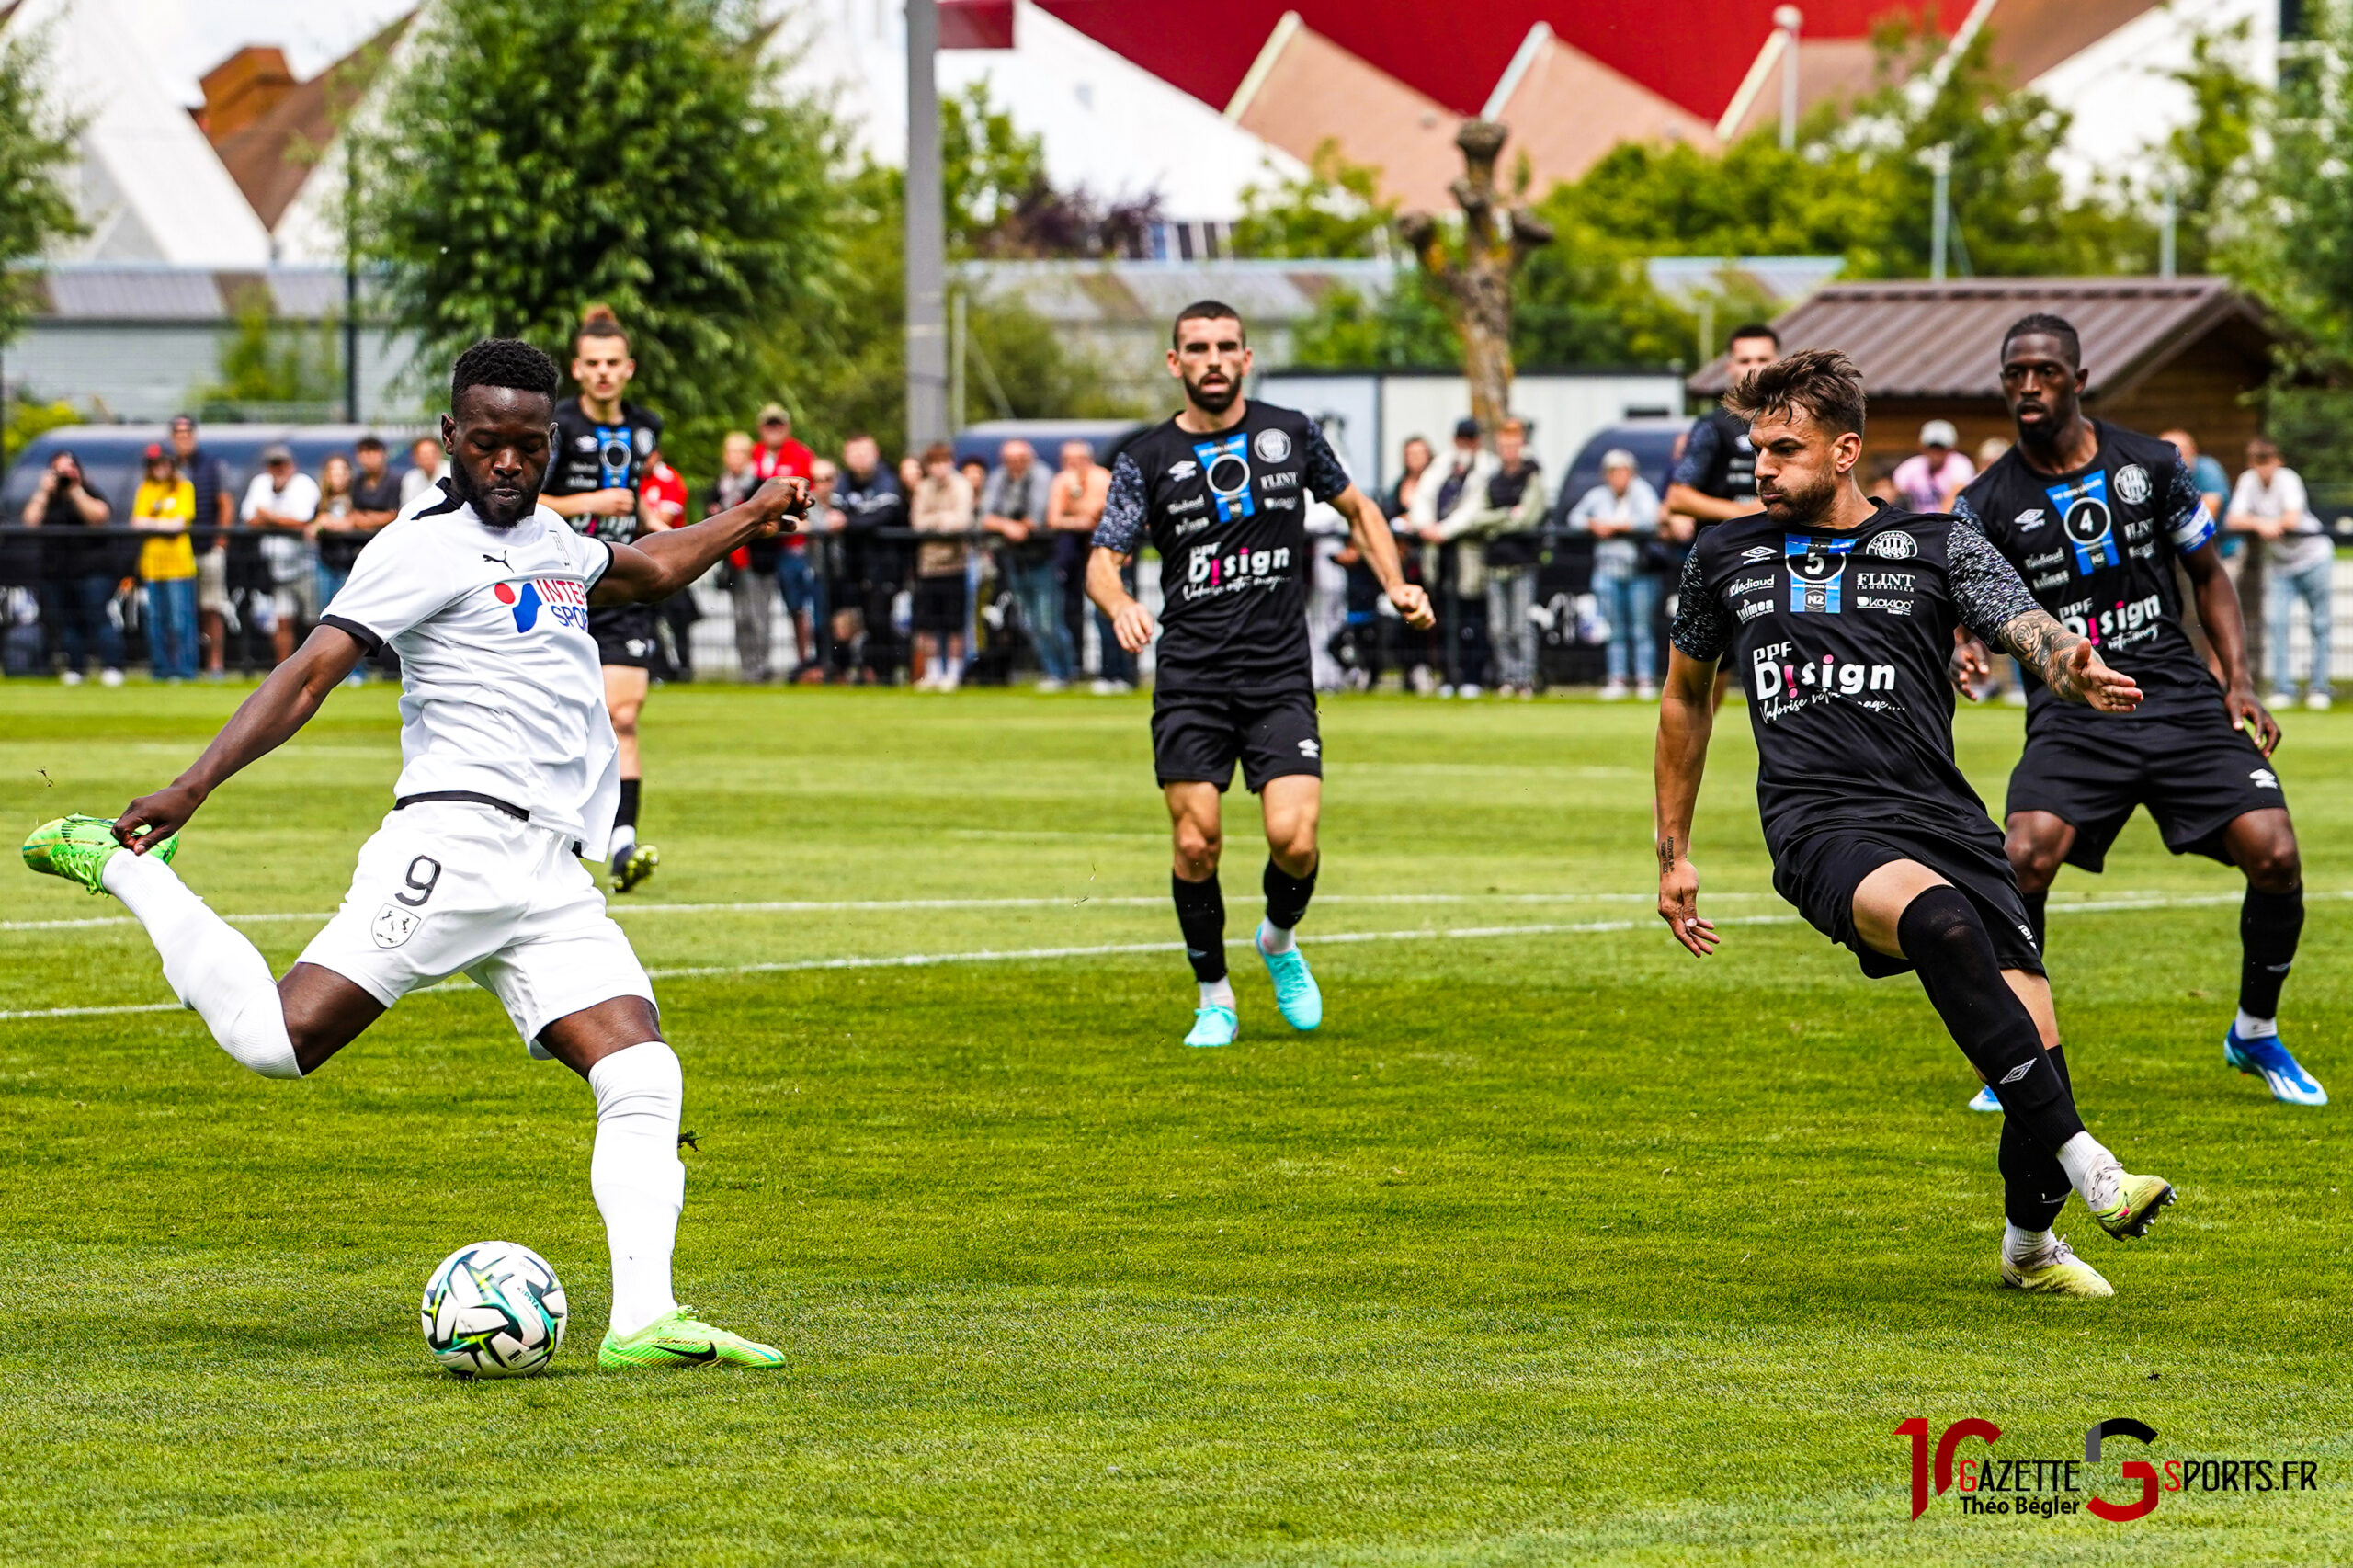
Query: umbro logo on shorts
{"type": "Point", "coordinates": [1308, 748]}
{"type": "Point", "coordinates": [2265, 779]}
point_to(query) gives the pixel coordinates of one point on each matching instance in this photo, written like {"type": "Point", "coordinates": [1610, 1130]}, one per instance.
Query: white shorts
{"type": "Point", "coordinates": [448, 887]}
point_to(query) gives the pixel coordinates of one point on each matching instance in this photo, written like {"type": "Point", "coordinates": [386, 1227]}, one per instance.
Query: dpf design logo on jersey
{"type": "Point", "coordinates": [1226, 462]}
{"type": "Point", "coordinates": [1816, 567]}
{"type": "Point", "coordinates": [2084, 513]}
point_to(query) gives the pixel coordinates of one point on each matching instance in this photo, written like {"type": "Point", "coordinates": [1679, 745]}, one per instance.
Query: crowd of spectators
{"type": "Point", "coordinates": [935, 572]}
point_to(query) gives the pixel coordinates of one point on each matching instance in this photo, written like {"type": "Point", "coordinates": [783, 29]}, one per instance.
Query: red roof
{"type": "Point", "coordinates": [1693, 53]}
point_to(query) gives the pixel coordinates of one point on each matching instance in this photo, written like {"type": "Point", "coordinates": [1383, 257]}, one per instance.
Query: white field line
{"type": "Point", "coordinates": [1105, 949]}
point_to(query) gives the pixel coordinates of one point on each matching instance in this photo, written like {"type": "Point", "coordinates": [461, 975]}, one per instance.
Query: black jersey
{"type": "Point", "coordinates": [1228, 513]}
{"type": "Point", "coordinates": [1841, 642]}
{"type": "Point", "coordinates": [594, 454]}
{"type": "Point", "coordinates": [2097, 548]}
{"type": "Point", "coordinates": [1717, 459]}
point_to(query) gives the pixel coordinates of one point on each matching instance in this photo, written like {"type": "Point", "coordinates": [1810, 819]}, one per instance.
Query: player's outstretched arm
{"type": "Point", "coordinates": [662, 563]}
{"type": "Point", "coordinates": [264, 721]}
{"type": "Point", "coordinates": [1131, 622]}
{"type": "Point", "coordinates": [1686, 718]}
{"type": "Point", "coordinates": [2068, 665]}
{"type": "Point", "coordinates": [1374, 537]}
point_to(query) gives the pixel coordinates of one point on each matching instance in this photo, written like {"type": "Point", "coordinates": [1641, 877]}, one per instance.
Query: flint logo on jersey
{"type": "Point", "coordinates": [2084, 513]}
{"type": "Point", "coordinates": [1227, 463]}
{"type": "Point", "coordinates": [565, 601]}
{"type": "Point", "coordinates": [1816, 567]}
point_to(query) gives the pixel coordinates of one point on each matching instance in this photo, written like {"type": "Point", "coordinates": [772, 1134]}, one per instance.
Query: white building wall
{"type": "Point", "coordinates": [2124, 106]}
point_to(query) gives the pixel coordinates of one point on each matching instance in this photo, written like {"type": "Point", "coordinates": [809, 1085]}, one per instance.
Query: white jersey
{"type": "Point", "coordinates": [502, 694]}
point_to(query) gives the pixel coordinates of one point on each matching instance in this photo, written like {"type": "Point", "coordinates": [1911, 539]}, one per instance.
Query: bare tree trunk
{"type": "Point", "coordinates": [1478, 287]}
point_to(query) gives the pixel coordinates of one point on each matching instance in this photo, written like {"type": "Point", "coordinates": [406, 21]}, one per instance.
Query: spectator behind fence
{"type": "Point", "coordinates": [163, 509]}
{"type": "Point", "coordinates": [1080, 487]}
{"type": "Point", "coordinates": [1014, 506]}
{"type": "Point", "coordinates": [83, 568]}
{"type": "Point", "coordinates": [866, 503]}
{"type": "Point", "coordinates": [336, 533]}
{"type": "Point", "coordinates": [1462, 606]}
{"type": "Point", "coordinates": [2214, 493]}
{"type": "Point", "coordinates": [1488, 525]}
{"type": "Point", "coordinates": [796, 576]}
{"type": "Point", "coordinates": [427, 464]}
{"type": "Point", "coordinates": [2299, 562]}
{"type": "Point", "coordinates": [215, 506]}
{"type": "Point", "coordinates": [1414, 649]}
{"type": "Point", "coordinates": [1930, 478]}
{"type": "Point", "coordinates": [1623, 514]}
{"type": "Point", "coordinates": [663, 498]}
{"type": "Point", "coordinates": [943, 504]}
{"type": "Point", "coordinates": [751, 571]}
{"type": "Point", "coordinates": [282, 502]}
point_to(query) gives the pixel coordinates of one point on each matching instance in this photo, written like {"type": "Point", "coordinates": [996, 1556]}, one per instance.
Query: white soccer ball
{"type": "Point", "coordinates": [493, 1310]}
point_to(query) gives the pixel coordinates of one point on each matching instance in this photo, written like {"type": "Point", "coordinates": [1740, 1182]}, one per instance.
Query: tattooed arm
{"type": "Point", "coordinates": [1686, 720]}
{"type": "Point", "coordinates": [1995, 605]}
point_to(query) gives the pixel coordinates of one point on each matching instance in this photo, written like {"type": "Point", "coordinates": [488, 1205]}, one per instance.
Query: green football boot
{"type": "Point", "coordinates": [678, 1338]}
{"type": "Point", "coordinates": [78, 847]}
{"type": "Point", "coordinates": [2054, 1271]}
{"type": "Point", "coordinates": [2138, 1198]}
{"type": "Point", "coordinates": [634, 867]}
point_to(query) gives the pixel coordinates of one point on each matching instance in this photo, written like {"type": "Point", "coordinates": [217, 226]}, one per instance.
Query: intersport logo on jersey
{"type": "Point", "coordinates": [1961, 1463]}
{"type": "Point", "coordinates": [565, 601]}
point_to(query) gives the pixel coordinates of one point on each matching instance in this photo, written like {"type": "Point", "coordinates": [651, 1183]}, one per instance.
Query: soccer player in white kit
{"type": "Point", "coordinates": [508, 778]}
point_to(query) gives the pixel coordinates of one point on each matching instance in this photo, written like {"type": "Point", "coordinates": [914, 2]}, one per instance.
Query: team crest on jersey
{"type": "Point", "coordinates": [1892, 545]}
{"type": "Point", "coordinates": [1272, 445]}
{"type": "Point", "coordinates": [1816, 566]}
{"type": "Point", "coordinates": [1227, 463]}
{"type": "Point", "coordinates": [2084, 513]}
{"type": "Point", "coordinates": [2132, 485]}
{"type": "Point", "coordinates": [393, 925]}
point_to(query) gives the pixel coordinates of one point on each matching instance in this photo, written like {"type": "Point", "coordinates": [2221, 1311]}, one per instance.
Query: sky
{"type": "Point", "coordinates": [187, 38]}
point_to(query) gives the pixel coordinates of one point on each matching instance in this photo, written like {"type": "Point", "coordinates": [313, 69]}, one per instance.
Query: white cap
{"type": "Point", "coordinates": [1939, 433]}
{"type": "Point", "coordinates": [1618, 456]}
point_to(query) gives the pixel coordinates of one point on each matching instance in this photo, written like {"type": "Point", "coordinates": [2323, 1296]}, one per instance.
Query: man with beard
{"type": "Point", "coordinates": [1839, 613]}
{"type": "Point", "coordinates": [2096, 517]}
{"type": "Point", "coordinates": [508, 778]}
{"type": "Point", "coordinates": [1219, 489]}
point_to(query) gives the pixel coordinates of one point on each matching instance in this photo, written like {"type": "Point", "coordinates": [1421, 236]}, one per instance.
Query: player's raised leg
{"type": "Point", "coordinates": [1906, 910]}
{"type": "Point", "coordinates": [1195, 823]}
{"type": "Point", "coordinates": [640, 1184]}
{"type": "Point", "coordinates": [2271, 922]}
{"type": "Point", "coordinates": [1292, 804]}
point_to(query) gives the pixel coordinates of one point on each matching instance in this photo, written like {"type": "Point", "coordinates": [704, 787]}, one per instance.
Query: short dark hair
{"type": "Point", "coordinates": [1752, 329]}
{"type": "Point", "coordinates": [1822, 381]}
{"type": "Point", "coordinates": [1205, 309]}
{"type": "Point", "coordinates": [370, 442]}
{"type": "Point", "coordinates": [2049, 325]}
{"type": "Point", "coordinates": [504, 362]}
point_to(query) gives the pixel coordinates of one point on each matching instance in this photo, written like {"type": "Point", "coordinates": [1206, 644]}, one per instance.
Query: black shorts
{"type": "Point", "coordinates": [624, 635]}
{"type": "Point", "coordinates": [938, 607]}
{"type": "Point", "coordinates": [1819, 873]}
{"type": "Point", "coordinates": [2197, 774]}
{"type": "Point", "coordinates": [1198, 737]}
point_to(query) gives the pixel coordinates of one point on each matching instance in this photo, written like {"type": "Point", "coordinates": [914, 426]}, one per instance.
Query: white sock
{"type": "Point", "coordinates": [2019, 1246]}
{"type": "Point", "coordinates": [1218, 993]}
{"type": "Point", "coordinates": [2091, 1170]}
{"type": "Point", "coordinates": [2251, 1028]}
{"type": "Point", "coordinates": [637, 1177]}
{"type": "Point", "coordinates": [207, 963]}
{"type": "Point", "coordinates": [1273, 938]}
{"type": "Point", "coordinates": [624, 840]}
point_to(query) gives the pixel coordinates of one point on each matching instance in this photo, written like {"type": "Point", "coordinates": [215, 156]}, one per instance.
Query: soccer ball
{"type": "Point", "coordinates": [493, 1310]}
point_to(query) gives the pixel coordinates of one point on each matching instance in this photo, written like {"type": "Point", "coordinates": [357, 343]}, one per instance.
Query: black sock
{"type": "Point", "coordinates": [1287, 896]}
{"type": "Point", "coordinates": [2034, 1185]}
{"type": "Point", "coordinates": [2037, 905]}
{"type": "Point", "coordinates": [1942, 934]}
{"type": "Point", "coordinates": [1200, 914]}
{"type": "Point", "coordinates": [626, 815]}
{"type": "Point", "coordinates": [2270, 925]}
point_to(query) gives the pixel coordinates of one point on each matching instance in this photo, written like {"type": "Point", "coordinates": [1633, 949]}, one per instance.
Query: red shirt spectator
{"type": "Point", "coordinates": [778, 453]}
{"type": "Point", "coordinates": [664, 492]}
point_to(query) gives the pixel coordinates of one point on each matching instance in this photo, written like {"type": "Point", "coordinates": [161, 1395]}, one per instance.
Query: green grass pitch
{"type": "Point", "coordinates": [1554, 1245]}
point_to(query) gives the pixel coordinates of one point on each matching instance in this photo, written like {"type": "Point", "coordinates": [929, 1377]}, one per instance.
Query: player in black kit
{"type": "Point", "coordinates": [1221, 492]}
{"type": "Point", "coordinates": [1839, 614]}
{"type": "Point", "coordinates": [602, 444]}
{"type": "Point", "coordinates": [2095, 517]}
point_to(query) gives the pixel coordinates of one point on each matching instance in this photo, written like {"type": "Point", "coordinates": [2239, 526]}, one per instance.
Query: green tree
{"type": "Point", "coordinates": [274, 364]}
{"type": "Point", "coordinates": [1333, 210]}
{"type": "Point", "coordinates": [541, 155]}
{"type": "Point", "coordinates": [36, 153]}
{"type": "Point", "coordinates": [2210, 162]}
